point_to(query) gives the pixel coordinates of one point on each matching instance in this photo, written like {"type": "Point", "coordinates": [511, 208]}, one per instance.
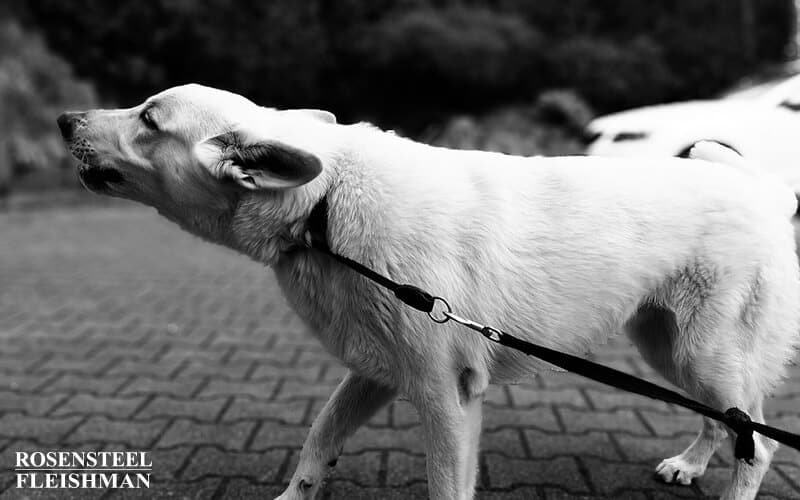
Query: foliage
{"type": "Point", "coordinates": [612, 76]}
{"type": "Point", "coordinates": [454, 57]}
{"type": "Point", "coordinates": [550, 127]}
{"type": "Point", "coordinates": [401, 63]}
{"type": "Point", "coordinates": [407, 62]}
{"type": "Point", "coordinates": [35, 87]}
{"type": "Point", "coordinates": [703, 44]}
{"type": "Point", "coordinates": [564, 108]}
{"type": "Point", "coordinates": [272, 50]}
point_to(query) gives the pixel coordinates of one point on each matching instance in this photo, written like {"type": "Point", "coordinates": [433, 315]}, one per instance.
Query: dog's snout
{"type": "Point", "coordinates": [67, 123]}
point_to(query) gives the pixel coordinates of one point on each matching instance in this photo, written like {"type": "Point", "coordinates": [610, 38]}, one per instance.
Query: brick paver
{"type": "Point", "coordinates": [120, 332]}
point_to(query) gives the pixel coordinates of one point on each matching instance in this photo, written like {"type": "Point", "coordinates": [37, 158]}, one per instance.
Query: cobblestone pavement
{"type": "Point", "coordinates": [119, 331]}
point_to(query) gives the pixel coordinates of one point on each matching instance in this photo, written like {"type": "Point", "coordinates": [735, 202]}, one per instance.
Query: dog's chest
{"type": "Point", "coordinates": [352, 319]}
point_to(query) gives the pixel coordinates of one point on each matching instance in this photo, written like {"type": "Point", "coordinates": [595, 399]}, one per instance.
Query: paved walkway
{"type": "Point", "coordinates": [119, 331]}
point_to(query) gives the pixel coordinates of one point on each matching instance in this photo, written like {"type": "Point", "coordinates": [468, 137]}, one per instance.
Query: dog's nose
{"type": "Point", "coordinates": [67, 121]}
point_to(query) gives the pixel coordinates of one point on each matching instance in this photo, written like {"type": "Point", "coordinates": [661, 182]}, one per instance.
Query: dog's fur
{"type": "Point", "coordinates": [695, 259]}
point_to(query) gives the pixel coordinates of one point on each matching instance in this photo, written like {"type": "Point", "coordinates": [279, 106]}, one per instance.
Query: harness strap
{"type": "Point", "coordinates": [736, 419]}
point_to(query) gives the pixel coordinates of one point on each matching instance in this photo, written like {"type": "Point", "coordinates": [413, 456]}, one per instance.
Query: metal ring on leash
{"type": "Point", "coordinates": [445, 318]}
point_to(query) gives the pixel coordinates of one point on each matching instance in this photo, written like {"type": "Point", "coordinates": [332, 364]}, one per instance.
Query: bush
{"type": "Point", "coordinates": [35, 87]}
{"type": "Point", "coordinates": [610, 75]}
{"type": "Point", "coordinates": [406, 62]}
{"type": "Point", "coordinates": [455, 57]}
{"type": "Point", "coordinates": [273, 51]}
{"type": "Point", "coordinates": [520, 130]}
{"type": "Point", "coordinates": [564, 108]}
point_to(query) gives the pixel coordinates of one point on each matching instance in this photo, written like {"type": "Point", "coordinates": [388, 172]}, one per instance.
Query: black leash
{"type": "Point", "coordinates": [419, 299]}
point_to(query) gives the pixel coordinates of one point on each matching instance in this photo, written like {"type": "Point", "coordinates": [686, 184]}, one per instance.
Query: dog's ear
{"type": "Point", "coordinates": [317, 114]}
{"type": "Point", "coordinates": [257, 163]}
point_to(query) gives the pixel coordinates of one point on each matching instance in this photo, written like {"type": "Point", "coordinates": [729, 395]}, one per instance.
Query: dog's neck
{"type": "Point", "coordinates": [269, 224]}
{"type": "Point", "coordinates": [271, 228]}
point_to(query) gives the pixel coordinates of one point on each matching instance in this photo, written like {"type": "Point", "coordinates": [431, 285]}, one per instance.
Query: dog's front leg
{"type": "Point", "coordinates": [451, 423]}
{"type": "Point", "coordinates": [353, 402]}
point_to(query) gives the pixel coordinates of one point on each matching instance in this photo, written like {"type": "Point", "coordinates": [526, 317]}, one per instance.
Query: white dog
{"type": "Point", "coordinates": [694, 259]}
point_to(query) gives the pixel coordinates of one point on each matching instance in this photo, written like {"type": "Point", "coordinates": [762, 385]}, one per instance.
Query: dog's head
{"type": "Point", "coordinates": [191, 151]}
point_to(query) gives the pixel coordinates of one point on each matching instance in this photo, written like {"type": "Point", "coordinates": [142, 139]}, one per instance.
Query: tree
{"type": "Point", "coordinates": [793, 49]}
{"type": "Point", "coordinates": [407, 60]}
{"type": "Point", "coordinates": [749, 41]}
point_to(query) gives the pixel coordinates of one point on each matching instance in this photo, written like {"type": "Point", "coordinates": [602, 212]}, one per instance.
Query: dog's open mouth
{"type": "Point", "coordinates": [98, 178]}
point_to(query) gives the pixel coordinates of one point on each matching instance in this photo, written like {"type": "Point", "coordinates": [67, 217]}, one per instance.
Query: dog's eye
{"type": "Point", "coordinates": [147, 118]}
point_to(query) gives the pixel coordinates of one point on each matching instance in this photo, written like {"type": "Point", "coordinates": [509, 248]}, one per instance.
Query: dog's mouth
{"type": "Point", "coordinates": [98, 178]}
{"type": "Point", "coordinates": [93, 176]}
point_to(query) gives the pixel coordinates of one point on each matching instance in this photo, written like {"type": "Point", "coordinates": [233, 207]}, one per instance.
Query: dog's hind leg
{"type": "Point", "coordinates": [726, 350]}
{"type": "Point", "coordinates": [747, 477]}
{"type": "Point", "coordinates": [655, 331]}
{"type": "Point", "coordinates": [692, 462]}
{"type": "Point", "coordinates": [721, 381]}
{"type": "Point", "coordinates": [353, 402]}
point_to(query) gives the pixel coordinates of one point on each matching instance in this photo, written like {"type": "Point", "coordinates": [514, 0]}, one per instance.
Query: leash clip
{"type": "Point", "coordinates": [445, 314]}
{"type": "Point", "coordinates": [489, 332]}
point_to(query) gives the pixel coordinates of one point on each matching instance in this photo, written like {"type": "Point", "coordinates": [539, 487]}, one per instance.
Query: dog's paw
{"type": "Point", "coordinates": [679, 470]}
{"type": "Point", "coordinates": [302, 489]}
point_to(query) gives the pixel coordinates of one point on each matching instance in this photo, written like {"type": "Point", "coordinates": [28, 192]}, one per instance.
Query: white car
{"type": "Point", "coordinates": [762, 123]}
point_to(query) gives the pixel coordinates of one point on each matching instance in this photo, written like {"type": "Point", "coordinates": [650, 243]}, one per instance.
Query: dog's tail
{"type": "Point", "coordinates": [715, 152]}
